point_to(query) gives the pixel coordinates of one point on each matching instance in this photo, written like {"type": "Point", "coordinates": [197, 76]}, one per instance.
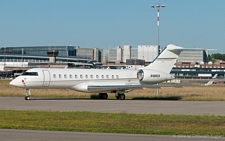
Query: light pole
{"type": "Point", "coordinates": [22, 57]}
{"type": "Point", "coordinates": [158, 19]}
{"type": "Point", "coordinates": [4, 56]}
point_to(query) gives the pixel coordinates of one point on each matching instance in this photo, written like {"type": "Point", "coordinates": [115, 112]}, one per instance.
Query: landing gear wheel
{"type": "Point", "coordinates": [27, 94]}
{"type": "Point", "coordinates": [27, 97]}
{"type": "Point", "coordinates": [103, 95]}
{"type": "Point", "coordinates": [120, 96]}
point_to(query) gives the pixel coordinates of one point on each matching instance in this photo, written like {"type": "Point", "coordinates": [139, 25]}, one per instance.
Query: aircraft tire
{"type": "Point", "coordinates": [103, 95]}
{"type": "Point", "coordinates": [121, 96]}
{"type": "Point", "coordinates": [27, 97]}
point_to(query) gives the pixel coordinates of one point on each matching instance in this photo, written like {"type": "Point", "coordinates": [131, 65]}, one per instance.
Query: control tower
{"type": "Point", "coordinates": [52, 55]}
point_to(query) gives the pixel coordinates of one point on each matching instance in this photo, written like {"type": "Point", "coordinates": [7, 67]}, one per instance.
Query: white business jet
{"type": "Point", "coordinates": [101, 81]}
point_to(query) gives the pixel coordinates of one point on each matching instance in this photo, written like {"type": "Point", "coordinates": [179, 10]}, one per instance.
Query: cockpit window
{"type": "Point", "coordinates": [30, 73]}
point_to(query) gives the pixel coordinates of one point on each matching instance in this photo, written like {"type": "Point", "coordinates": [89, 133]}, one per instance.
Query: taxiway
{"type": "Point", "coordinates": [28, 135]}
{"type": "Point", "coordinates": [107, 106]}
{"type": "Point", "coordinates": [116, 106]}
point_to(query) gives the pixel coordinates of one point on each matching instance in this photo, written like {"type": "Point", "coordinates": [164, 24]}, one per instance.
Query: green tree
{"type": "Point", "coordinates": [217, 56]}
{"type": "Point", "coordinates": [223, 57]}
{"type": "Point", "coordinates": [209, 57]}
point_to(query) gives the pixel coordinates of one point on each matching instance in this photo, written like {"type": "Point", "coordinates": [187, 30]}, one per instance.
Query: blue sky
{"type": "Point", "coordinates": [111, 23]}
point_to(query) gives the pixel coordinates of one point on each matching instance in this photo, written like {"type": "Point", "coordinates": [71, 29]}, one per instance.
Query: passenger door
{"type": "Point", "coordinates": [46, 78]}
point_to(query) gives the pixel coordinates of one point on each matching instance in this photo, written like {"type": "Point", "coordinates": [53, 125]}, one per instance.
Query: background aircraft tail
{"type": "Point", "coordinates": [166, 59]}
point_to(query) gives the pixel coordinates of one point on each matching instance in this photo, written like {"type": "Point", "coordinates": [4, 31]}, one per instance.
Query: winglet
{"type": "Point", "coordinates": [211, 81]}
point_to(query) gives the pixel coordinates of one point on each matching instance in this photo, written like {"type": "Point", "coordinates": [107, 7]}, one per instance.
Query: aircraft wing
{"type": "Point", "coordinates": [212, 80]}
{"type": "Point", "coordinates": [113, 87]}
{"type": "Point", "coordinates": [103, 87]}
{"type": "Point", "coordinates": [132, 87]}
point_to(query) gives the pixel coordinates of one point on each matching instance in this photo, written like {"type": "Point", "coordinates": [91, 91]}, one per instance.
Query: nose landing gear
{"type": "Point", "coordinates": [27, 94]}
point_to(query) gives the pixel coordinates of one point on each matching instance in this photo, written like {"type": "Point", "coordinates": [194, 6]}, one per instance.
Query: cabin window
{"type": "Point", "coordinates": [86, 76]}
{"type": "Point", "coordinates": [54, 76]}
{"type": "Point", "coordinates": [97, 76]}
{"type": "Point", "coordinates": [75, 76]}
{"type": "Point", "coordinates": [30, 73]}
{"type": "Point", "coordinates": [102, 76]}
{"type": "Point", "coordinates": [117, 76]}
{"type": "Point", "coordinates": [107, 76]}
{"type": "Point", "coordinates": [70, 75]}
{"type": "Point", "coordinates": [64, 75]}
{"type": "Point", "coordinates": [59, 75]}
{"type": "Point", "coordinates": [91, 76]}
{"type": "Point", "coordinates": [81, 76]}
{"type": "Point", "coordinates": [112, 76]}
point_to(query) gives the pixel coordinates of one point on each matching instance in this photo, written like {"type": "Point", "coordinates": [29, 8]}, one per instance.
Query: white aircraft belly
{"type": "Point", "coordinates": [84, 86]}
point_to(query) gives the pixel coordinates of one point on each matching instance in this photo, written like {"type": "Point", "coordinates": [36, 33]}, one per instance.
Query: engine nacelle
{"type": "Point", "coordinates": [152, 76]}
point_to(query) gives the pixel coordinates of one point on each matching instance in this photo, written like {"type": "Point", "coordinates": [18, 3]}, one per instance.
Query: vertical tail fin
{"type": "Point", "coordinates": [166, 60]}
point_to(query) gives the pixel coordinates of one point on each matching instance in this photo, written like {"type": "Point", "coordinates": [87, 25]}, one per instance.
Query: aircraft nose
{"type": "Point", "coordinates": [15, 82]}
{"type": "Point", "coordinates": [12, 83]}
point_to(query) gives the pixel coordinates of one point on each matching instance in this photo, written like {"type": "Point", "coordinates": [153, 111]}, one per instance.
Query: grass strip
{"type": "Point", "coordinates": [113, 122]}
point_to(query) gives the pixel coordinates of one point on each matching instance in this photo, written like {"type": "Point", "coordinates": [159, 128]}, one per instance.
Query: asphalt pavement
{"type": "Point", "coordinates": [107, 106]}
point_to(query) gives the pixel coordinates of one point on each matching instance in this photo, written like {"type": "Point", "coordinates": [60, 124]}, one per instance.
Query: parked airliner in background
{"type": "Point", "coordinates": [101, 81]}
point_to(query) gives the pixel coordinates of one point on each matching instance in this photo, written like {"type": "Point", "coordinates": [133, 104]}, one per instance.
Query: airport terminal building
{"type": "Point", "coordinates": [190, 64]}
{"type": "Point", "coordinates": [23, 58]}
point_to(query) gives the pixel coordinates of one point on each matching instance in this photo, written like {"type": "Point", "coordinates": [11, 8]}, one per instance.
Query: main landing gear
{"type": "Point", "coordinates": [119, 96]}
{"type": "Point", "coordinates": [103, 95]}
{"type": "Point", "coordinates": [27, 94]}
